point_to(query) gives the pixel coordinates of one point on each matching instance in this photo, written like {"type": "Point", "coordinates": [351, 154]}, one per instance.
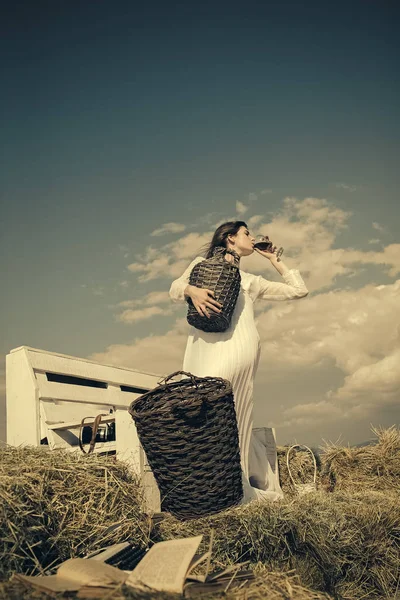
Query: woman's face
{"type": "Point", "coordinates": [242, 242]}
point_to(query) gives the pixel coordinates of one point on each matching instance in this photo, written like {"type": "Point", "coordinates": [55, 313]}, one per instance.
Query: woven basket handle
{"type": "Point", "coordinates": [312, 454]}
{"type": "Point", "coordinates": [219, 253]}
{"type": "Point", "coordinates": [190, 375]}
{"type": "Point", "coordinates": [96, 423]}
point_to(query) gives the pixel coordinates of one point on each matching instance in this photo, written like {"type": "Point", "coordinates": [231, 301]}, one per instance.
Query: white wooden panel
{"type": "Point", "coordinates": [23, 422]}
{"type": "Point", "coordinates": [128, 444]}
{"type": "Point", "coordinates": [82, 367]}
{"type": "Point", "coordinates": [34, 404]}
{"type": "Point", "coordinates": [77, 424]}
{"type": "Point", "coordinates": [78, 393]}
{"type": "Point", "coordinates": [55, 411]}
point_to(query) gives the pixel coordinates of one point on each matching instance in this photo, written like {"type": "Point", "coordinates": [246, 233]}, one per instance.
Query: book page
{"type": "Point", "coordinates": [88, 571]}
{"type": "Point", "coordinates": [165, 565]}
{"type": "Point", "coordinates": [49, 583]}
{"type": "Point", "coordinates": [199, 558]}
{"type": "Point", "coordinates": [76, 572]}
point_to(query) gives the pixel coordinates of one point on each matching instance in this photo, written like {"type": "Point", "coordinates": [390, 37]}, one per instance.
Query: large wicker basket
{"type": "Point", "coordinates": [188, 431]}
{"type": "Point", "coordinates": [221, 277]}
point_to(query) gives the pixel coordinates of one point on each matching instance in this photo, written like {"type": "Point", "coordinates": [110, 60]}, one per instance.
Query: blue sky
{"type": "Point", "coordinates": [118, 119]}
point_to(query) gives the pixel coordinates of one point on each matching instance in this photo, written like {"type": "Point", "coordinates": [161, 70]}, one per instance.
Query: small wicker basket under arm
{"type": "Point", "coordinates": [188, 431]}
{"type": "Point", "coordinates": [221, 277]}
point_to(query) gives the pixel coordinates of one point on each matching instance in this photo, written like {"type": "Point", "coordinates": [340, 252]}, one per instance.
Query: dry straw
{"type": "Point", "coordinates": [56, 505]}
{"type": "Point", "coordinates": [267, 585]}
{"type": "Point", "coordinates": [345, 543]}
{"type": "Point", "coordinates": [375, 466]}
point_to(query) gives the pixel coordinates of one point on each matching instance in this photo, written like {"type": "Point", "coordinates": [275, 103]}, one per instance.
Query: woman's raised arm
{"type": "Point", "coordinates": [292, 288]}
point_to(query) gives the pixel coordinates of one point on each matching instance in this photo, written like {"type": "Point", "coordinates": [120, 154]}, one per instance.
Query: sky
{"type": "Point", "coordinates": [129, 132]}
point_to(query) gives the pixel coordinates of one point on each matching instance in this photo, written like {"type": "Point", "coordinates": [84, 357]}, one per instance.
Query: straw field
{"type": "Point", "coordinates": [341, 541]}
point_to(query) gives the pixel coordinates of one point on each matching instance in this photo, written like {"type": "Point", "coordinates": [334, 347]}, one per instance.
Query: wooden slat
{"type": "Point", "coordinates": [99, 447]}
{"type": "Point", "coordinates": [87, 395]}
{"type": "Point", "coordinates": [76, 424]}
{"type": "Point", "coordinates": [82, 367]}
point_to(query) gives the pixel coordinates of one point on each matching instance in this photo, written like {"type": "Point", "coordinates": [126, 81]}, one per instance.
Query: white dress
{"type": "Point", "coordinates": [234, 355]}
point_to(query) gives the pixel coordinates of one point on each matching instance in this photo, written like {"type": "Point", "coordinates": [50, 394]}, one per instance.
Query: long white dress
{"type": "Point", "coordinates": [234, 355]}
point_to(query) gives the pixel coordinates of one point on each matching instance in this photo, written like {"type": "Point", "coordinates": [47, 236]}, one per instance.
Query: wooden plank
{"type": "Point", "coordinates": [76, 424]}
{"type": "Point", "coordinates": [77, 393]}
{"type": "Point", "coordinates": [99, 447]}
{"type": "Point", "coordinates": [23, 415]}
{"type": "Point", "coordinates": [128, 444]}
{"type": "Point", "coordinates": [81, 367]}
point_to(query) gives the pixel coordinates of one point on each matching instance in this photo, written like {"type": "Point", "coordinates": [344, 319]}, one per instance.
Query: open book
{"type": "Point", "coordinates": [167, 566]}
{"type": "Point", "coordinates": [75, 573]}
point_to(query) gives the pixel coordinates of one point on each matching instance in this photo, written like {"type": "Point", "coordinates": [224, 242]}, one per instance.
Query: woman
{"type": "Point", "coordinates": [234, 354]}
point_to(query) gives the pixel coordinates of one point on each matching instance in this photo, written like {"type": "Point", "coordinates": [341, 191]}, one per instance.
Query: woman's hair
{"type": "Point", "coordinates": [220, 237]}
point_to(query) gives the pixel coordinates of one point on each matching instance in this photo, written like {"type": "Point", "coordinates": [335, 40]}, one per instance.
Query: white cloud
{"type": "Point", "coordinates": [346, 186]}
{"type": "Point", "coordinates": [145, 307]}
{"type": "Point", "coordinates": [140, 314]}
{"type": "Point", "coordinates": [313, 413]}
{"type": "Point", "coordinates": [170, 260]}
{"type": "Point", "coordinates": [374, 241]}
{"type": "Point", "coordinates": [378, 227]}
{"type": "Point", "coordinates": [307, 229]}
{"type": "Point", "coordinates": [254, 220]}
{"type": "Point", "coordinates": [373, 384]}
{"type": "Point", "coordinates": [241, 208]}
{"type": "Point", "coordinates": [160, 354]}
{"type": "Point", "coordinates": [151, 299]}
{"type": "Point", "coordinates": [168, 228]}
{"type": "Point", "coordinates": [334, 354]}
{"type": "Point", "coordinates": [356, 331]}
{"type": "Point", "coordinates": [266, 191]}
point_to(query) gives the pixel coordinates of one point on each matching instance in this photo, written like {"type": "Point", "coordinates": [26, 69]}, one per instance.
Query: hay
{"type": "Point", "coordinates": [266, 584]}
{"type": "Point", "coordinates": [342, 544]}
{"type": "Point", "coordinates": [56, 505]}
{"type": "Point", "coordinates": [374, 467]}
{"type": "Point", "coordinates": [346, 543]}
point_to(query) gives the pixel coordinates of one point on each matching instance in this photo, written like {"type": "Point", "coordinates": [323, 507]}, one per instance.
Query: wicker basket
{"type": "Point", "coordinates": [188, 431]}
{"type": "Point", "coordinates": [303, 488]}
{"type": "Point", "coordinates": [221, 277]}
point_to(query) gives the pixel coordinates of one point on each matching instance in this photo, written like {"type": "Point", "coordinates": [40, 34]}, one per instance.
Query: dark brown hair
{"type": "Point", "coordinates": [220, 237]}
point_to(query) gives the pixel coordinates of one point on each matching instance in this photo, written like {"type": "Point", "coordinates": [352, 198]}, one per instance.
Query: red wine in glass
{"type": "Point", "coordinates": [262, 242]}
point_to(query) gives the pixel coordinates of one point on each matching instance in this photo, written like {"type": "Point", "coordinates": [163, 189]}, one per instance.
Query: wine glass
{"type": "Point", "coordinates": [262, 242]}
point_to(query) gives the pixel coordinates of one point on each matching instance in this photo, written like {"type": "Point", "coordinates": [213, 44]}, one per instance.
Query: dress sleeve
{"type": "Point", "coordinates": [292, 288]}
{"type": "Point", "coordinates": [178, 286]}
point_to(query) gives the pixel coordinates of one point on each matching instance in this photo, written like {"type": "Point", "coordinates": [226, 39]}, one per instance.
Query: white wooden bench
{"type": "Point", "coordinates": [48, 395]}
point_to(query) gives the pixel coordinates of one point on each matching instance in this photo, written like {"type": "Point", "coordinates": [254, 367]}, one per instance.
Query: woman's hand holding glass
{"type": "Point", "coordinates": [266, 248]}
{"type": "Point", "coordinates": [203, 300]}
